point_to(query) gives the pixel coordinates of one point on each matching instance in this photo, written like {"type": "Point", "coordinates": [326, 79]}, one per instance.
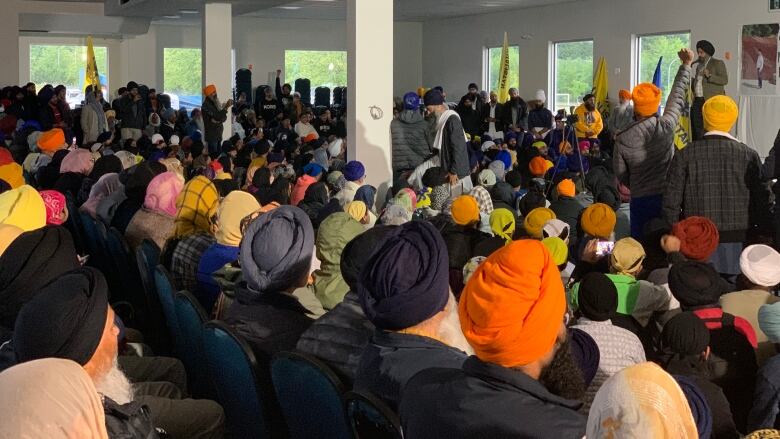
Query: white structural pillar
{"type": "Point", "coordinates": [216, 53]}
{"type": "Point", "coordinates": [370, 87]}
{"type": "Point", "coordinates": [9, 48]}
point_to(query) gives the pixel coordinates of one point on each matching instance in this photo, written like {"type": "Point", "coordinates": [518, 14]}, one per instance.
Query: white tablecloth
{"type": "Point", "coordinates": [759, 120]}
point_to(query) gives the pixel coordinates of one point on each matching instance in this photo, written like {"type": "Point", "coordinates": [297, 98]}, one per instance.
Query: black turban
{"type": "Point", "coordinates": [686, 334]}
{"type": "Point", "coordinates": [586, 353]}
{"type": "Point", "coordinates": [706, 46]}
{"type": "Point", "coordinates": [531, 201]}
{"type": "Point", "coordinates": [32, 261]}
{"type": "Point", "coordinates": [107, 164]}
{"type": "Point", "coordinates": [597, 297]}
{"type": "Point", "coordinates": [406, 280]}
{"type": "Point", "coordinates": [66, 319]}
{"type": "Point", "coordinates": [357, 252]}
{"type": "Point", "coordinates": [695, 284]}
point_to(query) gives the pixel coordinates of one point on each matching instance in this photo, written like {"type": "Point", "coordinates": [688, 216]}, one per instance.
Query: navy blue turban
{"type": "Point", "coordinates": [406, 280]}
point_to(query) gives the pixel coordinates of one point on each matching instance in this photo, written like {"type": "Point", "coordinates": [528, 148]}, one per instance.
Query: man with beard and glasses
{"type": "Point", "coordinates": [589, 123]}
{"type": "Point", "coordinates": [71, 318]}
{"type": "Point", "coordinates": [215, 114]}
{"type": "Point", "coordinates": [515, 113]}
{"type": "Point", "coordinates": [404, 291]}
{"type": "Point", "coordinates": [511, 312]}
{"type": "Point", "coordinates": [619, 348]}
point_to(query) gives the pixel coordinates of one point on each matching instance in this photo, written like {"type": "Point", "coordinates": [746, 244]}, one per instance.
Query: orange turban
{"type": "Point", "coordinates": [465, 210]}
{"type": "Point", "coordinates": [536, 219]}
{"type": "Point", "coordinates": [598, 220]}
{"type": "Point", "coordinates": [52, 140]}
{"type": "Point", "coordinates": [647, 98]}
{"type": "Point", "coordinates": [566, 188]}
{"type": "Point", "coordinates": [539, 166]}
{"type": "Point", "coordinates": [624, 94]}
{"type": "Point", "coordinates": [512, 307]}
{"type": "Point", "coordinates": [12, 174]}
{"type": "Point", "coordinates": [209, 90]}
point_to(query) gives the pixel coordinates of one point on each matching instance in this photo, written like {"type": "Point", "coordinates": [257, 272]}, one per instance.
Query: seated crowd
{"type": "Point", "coordinates": [508, 284]}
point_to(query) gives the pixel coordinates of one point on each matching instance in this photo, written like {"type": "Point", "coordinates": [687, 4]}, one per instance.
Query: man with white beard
{"type": "Point", "coordinates": [71, 318]}
{"type": "Point", "coordinates": [404, 291]}
{"type": "Point", "coordinates": [621, 116]}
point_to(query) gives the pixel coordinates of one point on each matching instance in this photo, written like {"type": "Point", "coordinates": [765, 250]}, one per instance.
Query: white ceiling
{"type": "Point", "coordinates": [405, 10]}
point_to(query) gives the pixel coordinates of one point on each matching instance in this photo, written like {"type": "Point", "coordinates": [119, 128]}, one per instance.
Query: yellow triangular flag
{"type": "Point", "coordinates": [91, 76]}
{"type": "Point", "coordinates": [601, 88]}
{"type": "Point", "coordinates": [503, 73]}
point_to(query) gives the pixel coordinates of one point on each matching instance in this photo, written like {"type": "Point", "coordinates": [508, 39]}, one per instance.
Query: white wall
{"type": "Point", "coordinates": [452, 50]}
{"type": "Point", "coordinates": [261, 43]}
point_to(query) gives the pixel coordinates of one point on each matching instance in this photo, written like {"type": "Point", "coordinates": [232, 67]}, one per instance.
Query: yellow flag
{"type": "Point", "coordinates": [682, 134]}
{"type": "Point", "coordinates": [503, 73]}
{"type": "Point", "coordinates": [601, 88]}
{"type": "Point", "coordinates": [91, 76]}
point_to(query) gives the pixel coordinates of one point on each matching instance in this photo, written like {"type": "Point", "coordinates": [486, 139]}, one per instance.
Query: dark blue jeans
{"type": "Point", "coordinates": [643, 209]}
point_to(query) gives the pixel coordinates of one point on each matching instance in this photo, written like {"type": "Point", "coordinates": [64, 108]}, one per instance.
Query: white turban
{"type": "Point", "coordinates": [540, 96]}
{"type": "Point", "coordinates": [761, 265]}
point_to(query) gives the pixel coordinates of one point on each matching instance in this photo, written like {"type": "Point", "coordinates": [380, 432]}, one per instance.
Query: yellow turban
{"type": "Point", "coordinates": [357, 210]}
{"type": "Point", "coordinates": [465, 210]}
{"type": "Point", "coordinates": [23, 207]}
{"type": "Point", "coordinates": [196, 204]}
{"type": "Point", "coordinates": [536, 219]}
{"type": "Point", "coordinates": [12, 174]}
{"type": "Point", "coordinates": [720, 113]}
{"type": "Point", "coordinates": [647, 98]}
{"type": "Point", "coordinates": [559, 252]}
{"type": "Point", "coordinates": [236, 206]}
{"type": "Point", "coordinates": [8, 234]}
{"type": "Point", "coordinates": [598, 220]}
{"type": "Point", "coordinates": [502, 223]}
{"type": "Point", "coordinates": [627, 256]}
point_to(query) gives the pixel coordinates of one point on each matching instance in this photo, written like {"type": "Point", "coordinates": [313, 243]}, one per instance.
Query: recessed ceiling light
{"type": "Point", "coordinates": [188, 11]}
{"type": "Point", "coordinates": [491, 5]}
{"type": "Point", "coordinates": [322, 1]}
{"type": "Point", "coordinates": [289, 8]}
{"type": "Point", "coordinates": [171, 16]}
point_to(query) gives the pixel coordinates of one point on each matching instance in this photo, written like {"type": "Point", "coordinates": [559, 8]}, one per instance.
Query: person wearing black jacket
{"type": "Point", "coordinates": [132, 112]}
{"type": "Point", "coordinates": [450, 141]}
{"type": "Point", "coordinates": [516, 112]}
{"type": "Point", "coordinates": [469, 117]}
{"type": "Point", "coordinates": [269, 107]}
{"type": "Point", "coordinates": [283, 94]}
{"type": "Point", "coordinates": [476, 103]}
{"type": "Point", "coordinates": [324, 124]}
{"type": "Point", "coordinates": [492, 116]}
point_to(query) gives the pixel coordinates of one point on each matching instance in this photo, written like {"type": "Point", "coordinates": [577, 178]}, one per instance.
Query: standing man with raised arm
{"type": "Point", "coordinates": [644, 150]}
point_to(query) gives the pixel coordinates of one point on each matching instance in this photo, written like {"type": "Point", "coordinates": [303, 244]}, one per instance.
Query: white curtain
{"type": "Point", "coordinates": [758, 122]}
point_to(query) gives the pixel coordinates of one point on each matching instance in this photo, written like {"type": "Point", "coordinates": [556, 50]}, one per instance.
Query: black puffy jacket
{"type": "Point", "coordinates": [128, 421]}
{"type": "Point", "coordinates": [412, 137]}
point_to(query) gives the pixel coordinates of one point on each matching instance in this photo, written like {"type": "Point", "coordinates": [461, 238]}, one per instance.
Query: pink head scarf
{"type": "Point", "coordinates": [55, 204]}
{"type": "Point", "coordinates": [162, 192]}
{"type": "Point", "coordinates": [79, 161]}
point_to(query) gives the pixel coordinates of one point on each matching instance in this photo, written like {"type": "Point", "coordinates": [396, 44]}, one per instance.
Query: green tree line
{"type": "Point", "coordinates": [63, 64]}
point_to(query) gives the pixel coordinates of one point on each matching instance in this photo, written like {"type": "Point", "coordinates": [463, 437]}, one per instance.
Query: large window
{"type": "Point", "coordinates": [182, 77]}
{"type": "Point", "coordinates": [650, 48]}
{"type": "Point", "coordinates": [66, 65]}
{"type": "Point", "coordinates": [322, 68]}
{"type": "Point", "coordinates": [494, 66]}
{"type": "Point", "coordinates": [572, 72]}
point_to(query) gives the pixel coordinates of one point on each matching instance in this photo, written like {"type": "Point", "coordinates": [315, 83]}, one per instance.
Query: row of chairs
{"type": "Point", "coordinates": [221, 365]}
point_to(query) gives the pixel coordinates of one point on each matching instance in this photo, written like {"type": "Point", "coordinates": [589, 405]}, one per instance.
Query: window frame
{"type": "Point", "coordinates": [636, 53]}
{"type": "Point", "coordinates": [486, 66]}
{"type": "Point", "coordinates": [313, 86]}
{"type": "Point", "coordinates": [105, 73]}
{"type": "Point", "coordinates": [553, 68]}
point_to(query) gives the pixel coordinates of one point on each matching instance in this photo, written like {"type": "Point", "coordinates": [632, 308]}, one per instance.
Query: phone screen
{"type": "Point", "coordinates": [604, 248]}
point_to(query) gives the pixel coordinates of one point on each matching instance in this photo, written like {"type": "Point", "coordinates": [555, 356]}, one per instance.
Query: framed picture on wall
{"type": "Point", "coordinates": [774, 5]}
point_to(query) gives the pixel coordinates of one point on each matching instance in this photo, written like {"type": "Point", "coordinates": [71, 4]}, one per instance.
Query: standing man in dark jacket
{"type": "Point", "coordinates": [450, 142]}
{"type": "Point", "coordinates": [492, 117]}
{"type": "Point", "coordinates": [645, 148]}
{"type": "Point", "coordinates": [710, 79]}
{"type": "Point", "coordinates": [469, 117]}
{"type": "Point", "coordinates": [511, 313]}
{"type": "Point", "coordinates": [215, 114]}
{"type": "Point", "coordinates": [719, 178]}
{"type": "Point", "coordinates": [283, 94]}
{"type": "Point", "coordinates": [476, 103]}
{"type": "Point", "coordinates": [516, 113]}
{"type": "Point", "coordinates": [411, 137]}
{"type": "Point", "coordinates": [269, 107]}
{"type": "Point", "coordinates": [132, 113]}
